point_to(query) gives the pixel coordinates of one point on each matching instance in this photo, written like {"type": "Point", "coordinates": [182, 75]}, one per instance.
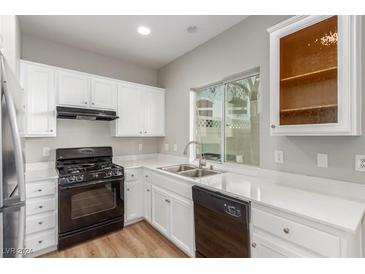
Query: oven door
{"type": "Point", "coordinates": [90, 203]}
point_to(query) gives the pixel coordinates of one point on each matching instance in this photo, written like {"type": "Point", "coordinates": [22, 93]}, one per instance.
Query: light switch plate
{"type": "Point", "coordinates": [322, 160]}
{"type": "Point", "coordinates": [175, 147]}
{"type": "Point", "coordinates": [167, 147]}
{"type": "Point", "coordinates": [46, 151]}
{"type": "Point", "coordinates": [360, 163]}
{"type": "Point", "coordinates": [279, 156]}
{"type": "Point", "coordinates": [140, 147]}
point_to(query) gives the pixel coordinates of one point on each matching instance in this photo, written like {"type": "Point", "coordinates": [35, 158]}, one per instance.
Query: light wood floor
{"type": "Point", "coordinates": [139, 240]}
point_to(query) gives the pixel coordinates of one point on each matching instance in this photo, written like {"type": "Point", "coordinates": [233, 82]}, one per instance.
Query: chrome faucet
{"type": "Point", "coordinates": [202, 161]}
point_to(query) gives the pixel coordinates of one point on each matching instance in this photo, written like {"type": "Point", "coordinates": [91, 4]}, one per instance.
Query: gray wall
{"type": "Point", "coordinates": [74, 133]}
{"type": "Point", "coordinates": [78, 133]}
{"type": "Point", "coordinates": [246, 46]}
{"type": "Point", "coordinates": [55, 54]}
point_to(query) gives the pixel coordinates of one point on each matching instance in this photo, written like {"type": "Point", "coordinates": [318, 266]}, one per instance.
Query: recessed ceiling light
{"type": "Point", "coordinates": [192, 29]}
{"type": "Point", "coordinates": [143, 30]}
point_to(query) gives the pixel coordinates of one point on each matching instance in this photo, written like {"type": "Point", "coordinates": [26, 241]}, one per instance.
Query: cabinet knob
{"type": "Point", "coordinates": [253, 244]}
{"type": "Point", "coordinates": [40, 223]}
{"type": "Point", "coordinates": [40, 241]}
{"type": "Point", "coordinates": [40, 206]}
{"type": "Point", "coordinates": [167, 201]}
{"type": "Point", "coordinates": [147, 190]}
{"type": "Point", "coordinates": [39, 190]}
{"type": "Point", "coordinates": [272, 126]}
{"type": "Point", "coordinates": [140, 132]}
{"type": "Point", "coordinates": [132, 175]}
{"type": "Point", "coordinates": [51, 130]}
{"type": "Point", "coordinates": [92, 103]}
{"type": "Point", "coordinates": [145, 132]}
{"type": "Point", "coordinates": [85, 102]}
{"type": "Point", "coordinates": [128, 189]}
{"type": "Point", "coordinates": [286, 230]}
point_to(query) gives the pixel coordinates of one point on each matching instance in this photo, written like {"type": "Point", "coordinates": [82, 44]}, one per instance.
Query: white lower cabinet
{"type": "Point", "coordinates": [134, 201]}
{"type": "Point", "coordinates": [41, 217]}
{"type": "Point", "coordinates": [147, 202]}
{"type": "Point", "coordinates": [277, 234]}
{"type": "Point", "coordinates": [172, 215]}
{"type": "Point", "coordinates": [182, 223]}
{"type": "Point", "coordinates": [134, 195]}
{"type": "Point", "coordinates": [161, 210]}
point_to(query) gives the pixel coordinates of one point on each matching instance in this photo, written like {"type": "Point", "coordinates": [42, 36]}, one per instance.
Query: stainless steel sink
{"type": "Point", "coordinates": [189, 170]}
{"type": "Point", "coordinates": [197, 173]}
{"type": "Point", "coordinates": [178, 168]}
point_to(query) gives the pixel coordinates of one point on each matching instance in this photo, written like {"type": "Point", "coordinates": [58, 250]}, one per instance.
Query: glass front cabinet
{"type": "Point", "coordinates": [315, 76]}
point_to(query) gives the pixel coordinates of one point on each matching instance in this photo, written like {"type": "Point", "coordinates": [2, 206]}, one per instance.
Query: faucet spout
{"type": "Point", "coordinates": [202, 161]}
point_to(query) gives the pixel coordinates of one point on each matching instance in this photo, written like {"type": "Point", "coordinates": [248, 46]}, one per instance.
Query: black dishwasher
{"type": "Point", "coordinates": [221, 225]}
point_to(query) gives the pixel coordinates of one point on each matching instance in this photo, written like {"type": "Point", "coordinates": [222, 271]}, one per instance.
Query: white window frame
{"type": "Point", "coordinates": [192, 117]}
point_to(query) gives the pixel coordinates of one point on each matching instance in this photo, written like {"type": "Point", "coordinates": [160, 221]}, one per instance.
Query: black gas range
{"type": "Point", "coordinates": [91, 194]}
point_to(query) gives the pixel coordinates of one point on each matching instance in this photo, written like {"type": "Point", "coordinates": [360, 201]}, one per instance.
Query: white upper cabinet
{"type": "Point", "coordinates": [39, 87]}
{"type": "Point", "coordinates": [129, 112]}
{"type": "Point", "coordinates": [73, 89]}
{"type": "Point", "coordinates": [103, 93]}
{"type": "Point", "coordinates": [87, 91]}
{"type": "Point", "coordinates": [141, 111]}
{"type": "Point", "coordinates": [154, 112]}
{"type": "Point", "coordinates": [315, 76]}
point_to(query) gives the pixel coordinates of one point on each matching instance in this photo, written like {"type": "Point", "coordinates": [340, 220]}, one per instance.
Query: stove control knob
{"type": "Point", "coordinates": [109, 174]}
{"type": "Point", "coordinates": [71, 179]}
{"type": "Point", "coordinates": [79, 178]}
{"type": "Point", "coordinates": [117, 172]}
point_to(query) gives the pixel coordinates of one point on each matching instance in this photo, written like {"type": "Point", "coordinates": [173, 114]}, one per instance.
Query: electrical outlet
{"type": "Point", "coordinates": [279, 156]}
{"type": "Point", "coordinates": [175, 147]}
{"type": "Point", "coordinates": [360, 163]}
{"type": "Point", "coordinates": [322, 160]}
{"type": "Point", "coordinates": [46, 151]}
{"type": "Point", "coordinates": [140, 147]}
{"type": "Point", "coordinates": [167, 147]}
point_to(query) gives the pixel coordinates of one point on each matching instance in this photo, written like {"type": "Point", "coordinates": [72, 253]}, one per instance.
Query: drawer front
{"type": "Point", "coordinates": [34, 190]}
{"type": "Point", "coordinates": [40, 206]}
{"type": "Point", "coordinates": [131, 175]}
{"type": "Point", "coordinates": [41, 240]}
{"type": "Point", "coordinates": [36, 223]}
{"type": "Point", "coordinates": [320, 242]}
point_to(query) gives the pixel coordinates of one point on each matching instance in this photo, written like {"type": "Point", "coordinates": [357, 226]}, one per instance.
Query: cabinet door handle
{"type": "Point", "coordinates": [286, 230]}
{"type": "Point", "coordinates": [167, 201]}
{"type": "Point", "coordinates": [253, 244]}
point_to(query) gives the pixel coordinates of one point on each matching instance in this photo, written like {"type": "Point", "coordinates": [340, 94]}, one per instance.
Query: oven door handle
{"type": "Point", "coordinates": [92, 183]}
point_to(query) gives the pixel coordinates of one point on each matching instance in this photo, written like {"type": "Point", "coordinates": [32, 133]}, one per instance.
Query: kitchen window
{"type": "Point", "coordinates": [226, 120]}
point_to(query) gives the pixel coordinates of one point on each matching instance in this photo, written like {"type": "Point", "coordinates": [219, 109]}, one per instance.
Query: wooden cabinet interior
{"type": "Point", "coordinates": [308, 75]}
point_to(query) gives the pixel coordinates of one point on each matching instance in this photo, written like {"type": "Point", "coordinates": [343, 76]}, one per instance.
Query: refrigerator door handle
{"type": "Point", "coordinates": [19, 164]}
{"type": "Point", "coordinates": [21, 233]}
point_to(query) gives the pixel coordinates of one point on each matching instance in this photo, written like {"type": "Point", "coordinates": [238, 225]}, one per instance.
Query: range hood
{"type": "Point", "coordinates": [85, 114]}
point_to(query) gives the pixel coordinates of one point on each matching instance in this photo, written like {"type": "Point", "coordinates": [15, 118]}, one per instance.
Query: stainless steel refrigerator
{"type": "Point", "coordinates": [12, 181]}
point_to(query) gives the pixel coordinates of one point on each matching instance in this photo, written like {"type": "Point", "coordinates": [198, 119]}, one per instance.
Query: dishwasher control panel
{"type": "Point", "coordinates": [232, 210]}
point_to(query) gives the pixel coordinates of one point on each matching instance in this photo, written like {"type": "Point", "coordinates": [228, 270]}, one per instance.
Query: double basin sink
{"type": "Point", "coordinates": [190, 171]}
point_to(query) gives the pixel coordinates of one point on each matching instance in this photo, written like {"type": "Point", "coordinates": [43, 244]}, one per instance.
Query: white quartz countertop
{"type": "Point", "coordinates": [344, 214]}
{"type": "Point", "coordinates": [272, 191]}
{"type": "Point", "coordinates": [41, 174]}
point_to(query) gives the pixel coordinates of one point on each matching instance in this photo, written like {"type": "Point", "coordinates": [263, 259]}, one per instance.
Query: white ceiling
{"type": "Point", "coordinates": [116, 35]}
